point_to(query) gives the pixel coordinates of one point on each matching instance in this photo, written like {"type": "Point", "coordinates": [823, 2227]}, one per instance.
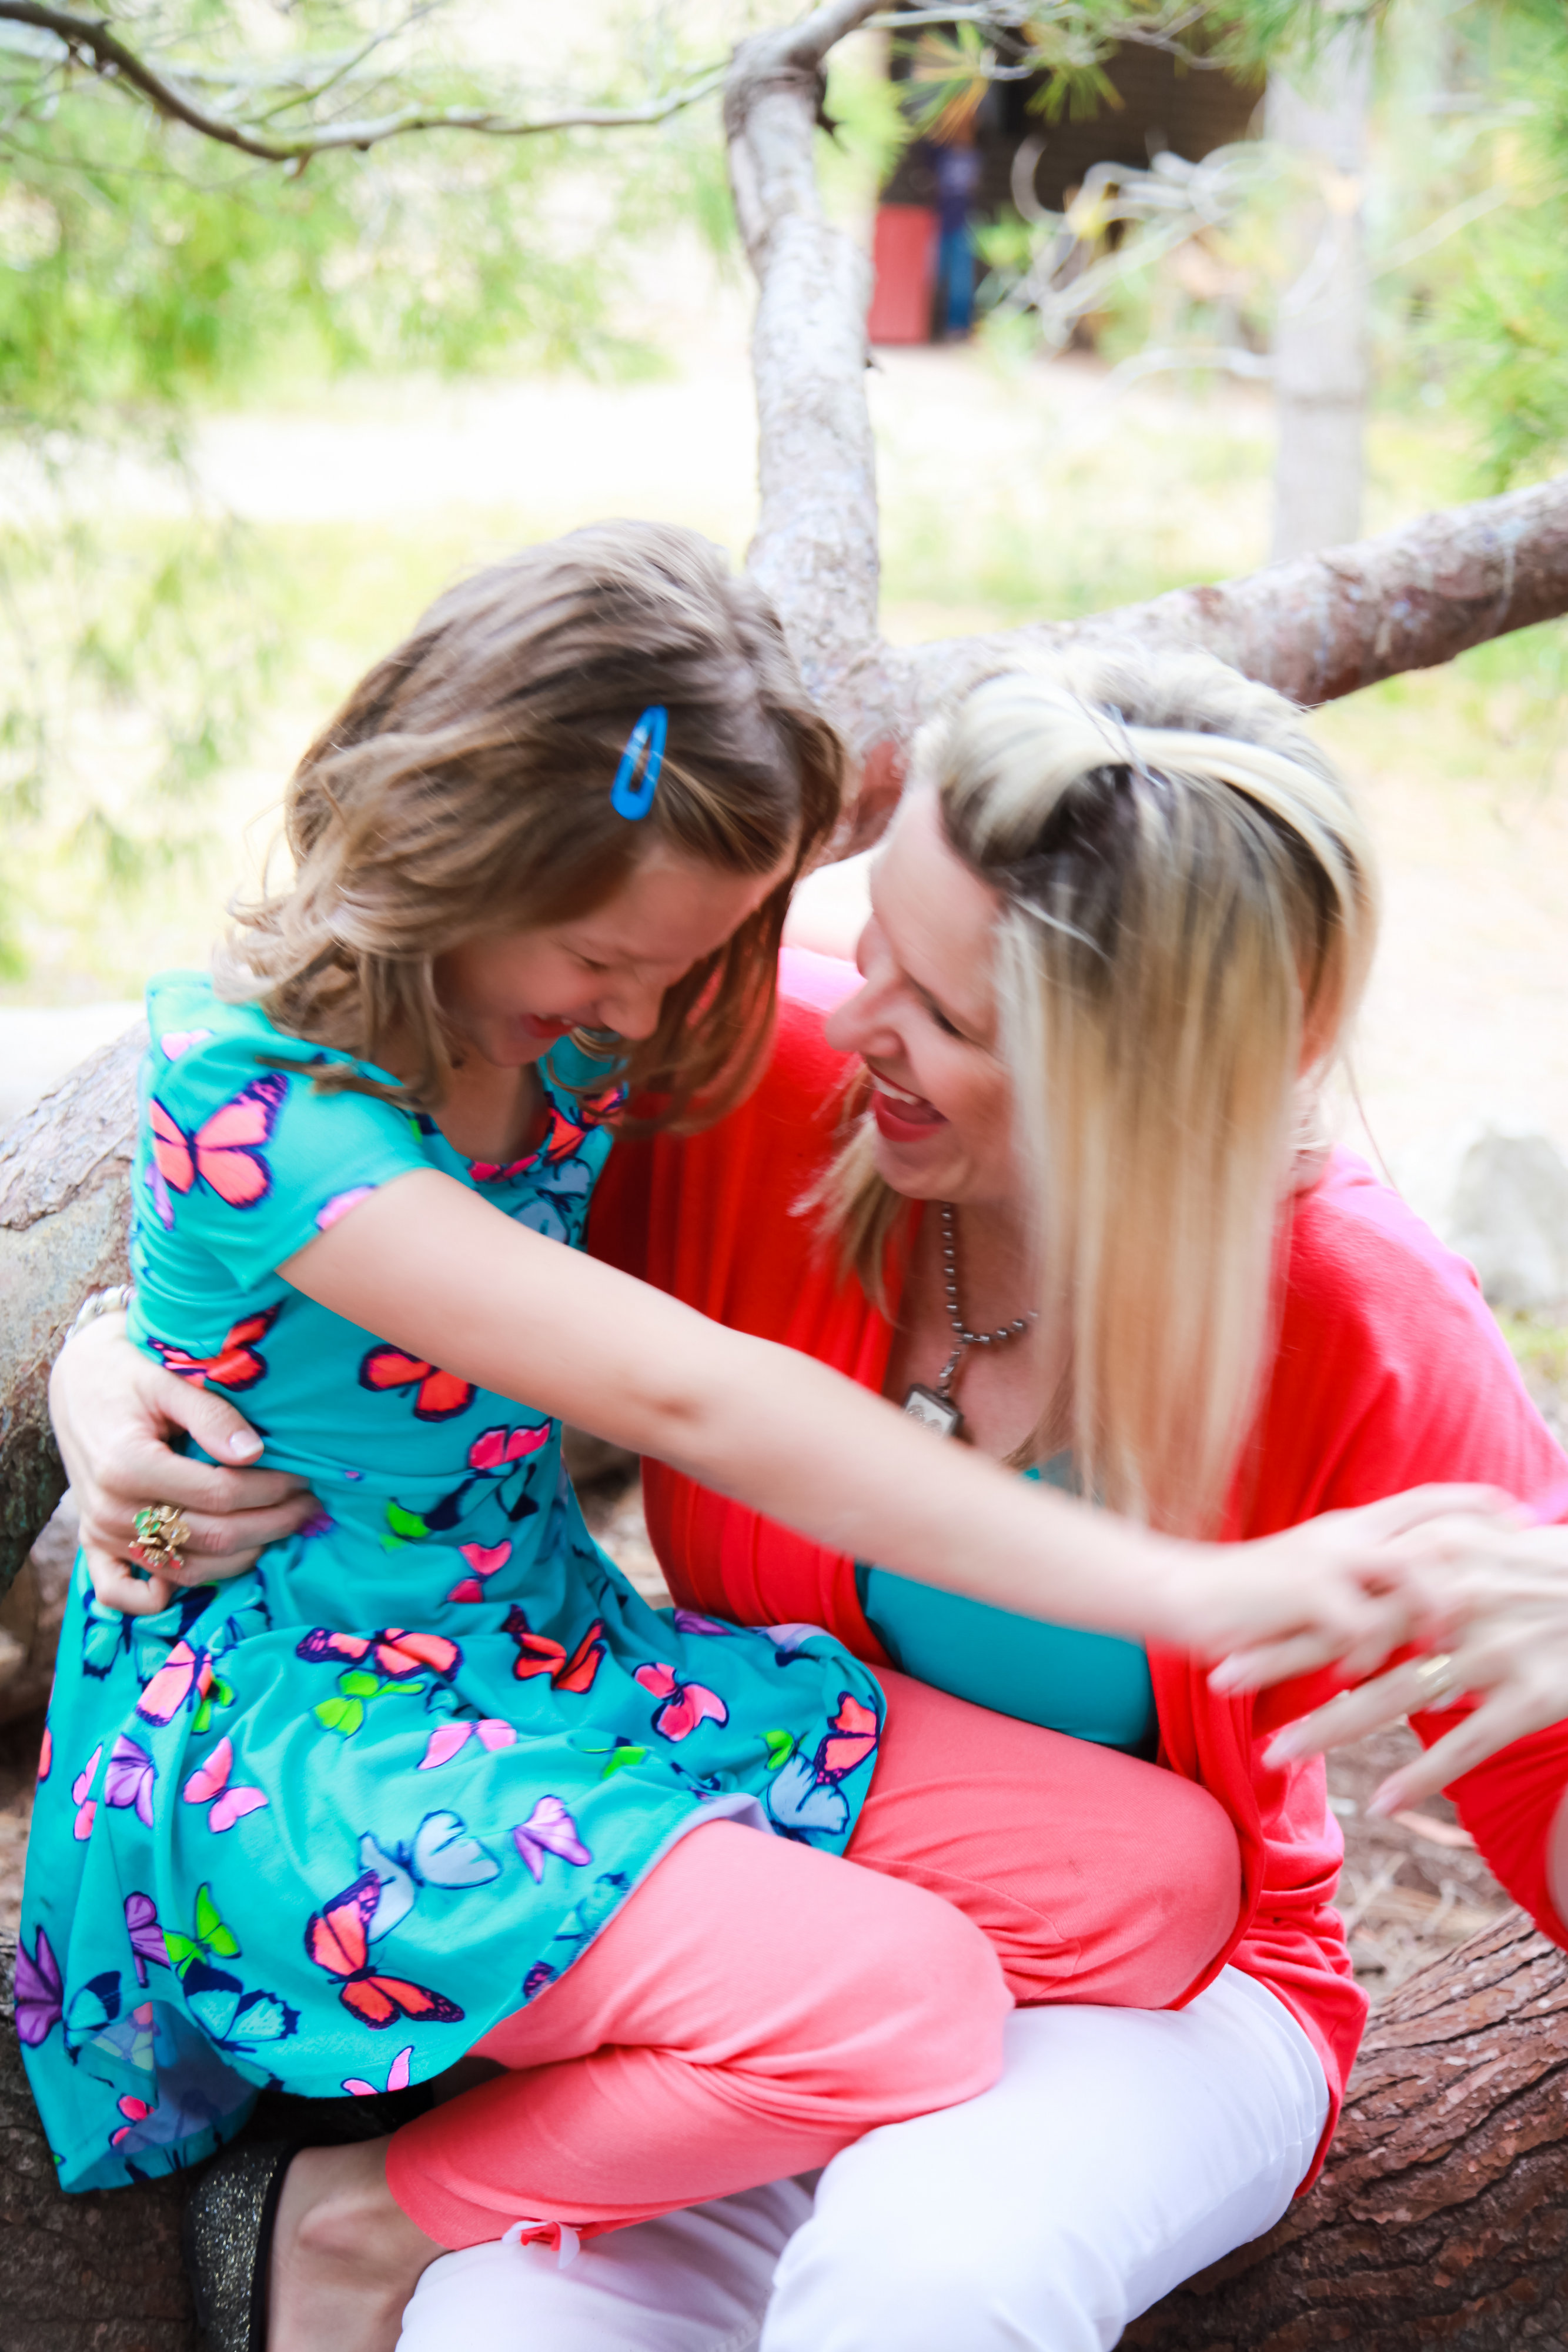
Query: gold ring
{"type": "Point", "coordinates": [1437, 1677]}
{"type": "Point", "coordinates": [162, 1534]}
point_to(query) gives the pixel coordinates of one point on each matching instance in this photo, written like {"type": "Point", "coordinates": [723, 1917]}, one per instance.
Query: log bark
{"type": "Point", "coordinates": [1441, 2218]}
{"type": "Point", "coordinates": [64, 1174]}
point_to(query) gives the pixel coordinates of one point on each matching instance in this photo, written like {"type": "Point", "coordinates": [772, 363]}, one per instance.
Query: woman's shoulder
{"type": "Point", "coordinates": [1360, 1258]}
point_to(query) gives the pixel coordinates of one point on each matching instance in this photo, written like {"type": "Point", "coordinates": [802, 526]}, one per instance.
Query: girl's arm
{"type": "Point", "coordinates": [500, 1306]}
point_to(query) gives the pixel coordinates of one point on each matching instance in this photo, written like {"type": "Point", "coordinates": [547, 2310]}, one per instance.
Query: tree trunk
{"type": "Point", "coordinates": [1320, 335]}
{"type": "Point", "coordinates": [63, 1173]}
{"type": "Point", "coordinates": [1442, 2216]}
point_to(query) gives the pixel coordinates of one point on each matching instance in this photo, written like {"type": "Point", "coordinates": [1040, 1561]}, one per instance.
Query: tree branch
{"type": "Point", "coordinates": [92, 39]}
{"type": "Point", "coordinates": [1327, 623]}
{"type": "Point", "coordinates": [815, 548]}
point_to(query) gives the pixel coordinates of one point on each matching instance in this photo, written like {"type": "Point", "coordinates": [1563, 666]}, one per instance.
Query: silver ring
{"type": "Point", "coordinates": [1438, 1678]}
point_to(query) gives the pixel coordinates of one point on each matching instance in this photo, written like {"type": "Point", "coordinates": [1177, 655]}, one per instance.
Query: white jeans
{"type": "Point", "coordinates": [1123, 2150]}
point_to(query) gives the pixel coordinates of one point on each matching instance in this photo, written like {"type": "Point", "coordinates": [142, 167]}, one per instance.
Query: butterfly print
{"type": "Point", "coordinates": [805, 1795]}
{"type": "Point", "coordinates": [209, 1785]}
{"type": "Point", "coordinates": [39, 1991]}
{"type": "Point", "coordinates": [499, 1461]}
{"type": "Point", "coordinates": [448, 1739]}
{"type": "Point", "coordinates": [175, 1041]}
{"type": "Point", "coordinates": [440, 1394]}
{"type": "Point", "coordinates": [483, 1559]}
{"type": "Point", "coordinates": [238, 1364]}
{"type": "Point", "coordinates": [337, 1938]}
{"type": "Point", "coordinates": [340, 1205]}
{"type": "Point", "coordinates": [186, 1676]}
{"type": "Point", "coordinates": [497, 1449]}
{"type": "Point", "coordinates": [82, 1797]}
{"type": "Point", "coordinates": [441, 1853]}
{"type": "Point", "coordinates": [540, 1653]}
{"type": "Point", "coordinates": [209, 1938]}
{"type": "Point", "coordinates": [227, 1153]}
{"type": "Point", "coordinates": [129, 1779]}
{"type": "Point", "coordinates": [46, 1754]}
{"type": "Point", "coordinates": [107, 1635]}
{"type": "Point", "coordinates": [233, 2018]}
{"type": "Point", "coordinates": [790, 1641]}
{"type": "Point", "coordinates": [564, 1137]}
{"type": "Point", "coordinates": [397, 2078]}
{"type": "Point", "coordinates": [682, 1706]}
{"type": "Point", "coordinates": [92, 2012]}
{"type": "Point", "coordinates": [148, 1947]}
{"type": "Point", "coordinates": [550, 1829]}
{"type": "Point", "coordinates": [397, 1653]}
{"type": "Point", "coordinates": [688, 1621]}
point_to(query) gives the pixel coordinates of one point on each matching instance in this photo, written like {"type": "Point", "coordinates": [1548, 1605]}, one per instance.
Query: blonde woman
{"type": "Point", "coordinates": [1117, 934]}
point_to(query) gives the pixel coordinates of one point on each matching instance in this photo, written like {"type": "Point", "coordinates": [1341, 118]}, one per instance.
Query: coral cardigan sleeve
{"type": "Point", "coordinates": [716, 1220]}
{"type": "Point", "coordinates": [1391, 1372]}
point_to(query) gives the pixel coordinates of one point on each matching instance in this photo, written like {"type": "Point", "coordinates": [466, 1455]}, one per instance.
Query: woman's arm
{"type": "Point", "coordinates": [113, 1413]}
{"type": "Point", "coordinates": [518, 1314]}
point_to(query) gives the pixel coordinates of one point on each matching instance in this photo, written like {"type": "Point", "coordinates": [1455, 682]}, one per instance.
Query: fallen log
{"type": "Point", "coordinates": [1441, 2218]}
{"type": "Point", "coordinates": [1440, 2223]}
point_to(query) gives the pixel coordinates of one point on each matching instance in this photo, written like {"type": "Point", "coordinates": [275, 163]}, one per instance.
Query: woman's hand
{"type": "Point", "coordinates": [113, 1413]}
{"type": "Point", "coordinates": [1506, 1600]}
{"type": "Point", "coordinates": [1351, 1586]}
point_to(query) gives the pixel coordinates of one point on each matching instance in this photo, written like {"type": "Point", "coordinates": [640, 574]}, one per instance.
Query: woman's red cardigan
{"type": "Point", "coordinates": [1389, 1373]}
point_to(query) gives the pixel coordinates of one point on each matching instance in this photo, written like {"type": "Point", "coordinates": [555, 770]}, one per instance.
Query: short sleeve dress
{"type": "Point", "coordinates": [327, 1823]}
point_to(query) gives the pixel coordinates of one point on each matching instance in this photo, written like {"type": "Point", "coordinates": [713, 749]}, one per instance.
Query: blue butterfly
{"type": "Point", "coordinates": [802, 1804]}
{"type": "Point", "coordinates": [230, 2017]}
{"type": "Point", "coordinates": [441, 1852]}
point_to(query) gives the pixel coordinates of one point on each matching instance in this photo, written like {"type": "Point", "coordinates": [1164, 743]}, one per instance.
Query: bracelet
{"type": "Point", "coordinates": [116, 1300]}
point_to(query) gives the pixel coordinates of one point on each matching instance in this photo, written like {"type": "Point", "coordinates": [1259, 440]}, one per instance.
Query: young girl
{"type": "Point", "coordinates": [432, 1779]}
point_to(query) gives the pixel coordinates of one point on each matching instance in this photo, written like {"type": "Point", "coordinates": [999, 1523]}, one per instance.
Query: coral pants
{"type": "Point", "coordinates": [756, 2005]}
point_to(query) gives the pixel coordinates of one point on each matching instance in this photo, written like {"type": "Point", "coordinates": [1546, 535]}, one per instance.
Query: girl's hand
{"type": "Point", "coordinates": [1350, 1586]}
{"type": "Point", "coordinates": [113, 1413]}
{"type": "Point", "coordinates": [1507, 1600]}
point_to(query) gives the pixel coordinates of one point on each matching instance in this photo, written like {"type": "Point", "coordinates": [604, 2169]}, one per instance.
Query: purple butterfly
{"type": "Point", "coordinates": [38, 1991]}
{"type": "Point", "coordinates": [130, 1778]}
{"type": "Point", "coordinates": [689, 1621]}
{"type": "Point", "coordinates": [550, 1829]}
{"type": "Point", "coordinates": [146, 1936]}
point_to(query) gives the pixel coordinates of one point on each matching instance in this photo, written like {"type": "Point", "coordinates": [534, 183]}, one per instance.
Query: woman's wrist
{"type": "Point", "coordinates": [115, 1301]}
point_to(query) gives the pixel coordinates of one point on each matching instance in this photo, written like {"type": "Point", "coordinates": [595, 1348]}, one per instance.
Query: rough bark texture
{"type": "Point", "coordinates": [98, 2274]}
{"type": "Point", "coordinates": [1442, 2218]}
{"type": "Point", "coordinates": [64, 1169]}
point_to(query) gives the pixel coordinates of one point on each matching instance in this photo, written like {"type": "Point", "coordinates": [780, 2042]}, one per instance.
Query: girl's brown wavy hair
{"type": "Point", "coordinates": [464, 786]}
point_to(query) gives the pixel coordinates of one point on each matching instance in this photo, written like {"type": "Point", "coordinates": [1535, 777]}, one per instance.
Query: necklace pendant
{"type": "Point", "coordinates": [933, 1411]}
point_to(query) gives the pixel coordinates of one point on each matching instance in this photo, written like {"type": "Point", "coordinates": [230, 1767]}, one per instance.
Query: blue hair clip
{"type": "Point", "coordinates": [629, 796]}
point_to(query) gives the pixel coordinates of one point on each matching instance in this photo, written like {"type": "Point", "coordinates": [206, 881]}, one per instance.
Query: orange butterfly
{"type": "Point", "coordinates": [225, 1153]}
{"type": "Point", "coordinates": [337, 1939]}
{"type": "Point", "coordinates": [441, 1394]}
{"type": "Point", "coordinates": [238, 1364]}
{"type": "Point", "coordinates": [540, 1653]}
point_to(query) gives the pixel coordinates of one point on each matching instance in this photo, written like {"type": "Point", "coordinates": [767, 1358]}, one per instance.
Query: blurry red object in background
{"type": "Point", "coordinates": [904, 257]}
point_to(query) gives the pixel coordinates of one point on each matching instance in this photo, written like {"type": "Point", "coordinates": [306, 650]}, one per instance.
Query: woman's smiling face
{"type": "Point", "coordinates": [924, 1023]}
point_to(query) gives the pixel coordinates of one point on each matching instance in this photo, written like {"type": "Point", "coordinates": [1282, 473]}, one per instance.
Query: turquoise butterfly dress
{"type": "Point", "coordinates": [324, 1825]}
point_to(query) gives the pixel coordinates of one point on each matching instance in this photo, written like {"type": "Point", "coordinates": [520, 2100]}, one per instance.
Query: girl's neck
{"type": "Point", "coordinates": [492, 1113]}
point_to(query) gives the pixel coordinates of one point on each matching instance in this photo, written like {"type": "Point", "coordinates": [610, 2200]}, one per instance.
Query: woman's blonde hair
{"type": "Point", "coordinates": [1187, 915]}
{"type": "Point", "coordinates": [465, 786]}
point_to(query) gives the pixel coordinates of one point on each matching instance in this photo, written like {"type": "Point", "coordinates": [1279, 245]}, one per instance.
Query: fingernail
{"type": "Point", "coordinates": [1225, 1675]}
{"type": "Point", "coordinates": [245, 1444]}
{"type": "Point", "coordinates": [1282, 1749]}
{"type": "Point", "coordinates": [1382, 1804]}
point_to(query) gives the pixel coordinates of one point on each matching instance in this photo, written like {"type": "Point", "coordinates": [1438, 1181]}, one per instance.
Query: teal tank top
{"type": "Point", "coordinates": [1091, 1685]}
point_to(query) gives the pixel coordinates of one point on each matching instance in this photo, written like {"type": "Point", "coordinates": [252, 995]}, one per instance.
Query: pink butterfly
{"type": "Point", "coordinates": [340, 1204]}
{"type": "Point", "coordinates": [175, 1041]}
{"type": "Point", "coordinates": [209, 1785]}
{"type": "Point", "coordinates": [484, 1559]}
{"type": "Point", "coordinates": [550, 1829]}
{"type": "Point", "coordinates": [686, 1705]}
{"type": "Point", "coordinates": [85, 1803]}
{"type": "Point", "coordinates": [47, 1754]}
{"type": "Point", "coordinates": [130, 1778]}
{"type": "Point", "coordinates": [225, 1153]}
{"type": "Point", "coordinates": [397, 2078]}
{"type": "Point", "coordinates": [448, 1738]}
{"type": "Point", "coordinates": [493, 1448]}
